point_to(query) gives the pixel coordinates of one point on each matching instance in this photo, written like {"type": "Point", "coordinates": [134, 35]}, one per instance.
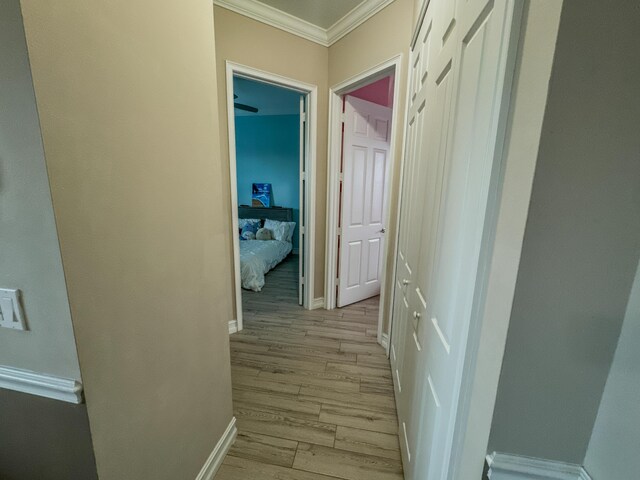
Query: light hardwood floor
{"type": "Point", "coordinates": [312, 390]}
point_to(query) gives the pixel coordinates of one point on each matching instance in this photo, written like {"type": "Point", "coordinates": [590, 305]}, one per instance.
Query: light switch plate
{"type": "Point", "coordinates": [11, 314]}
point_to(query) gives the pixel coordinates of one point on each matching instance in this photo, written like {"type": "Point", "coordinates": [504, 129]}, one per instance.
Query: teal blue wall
{"type": "Point", "coordinates": [268, 151]}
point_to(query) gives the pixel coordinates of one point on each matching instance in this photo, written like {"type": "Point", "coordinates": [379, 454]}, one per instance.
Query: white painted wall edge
{"type": "Point", "coordinates": [317, 303]}
{"type": "Point", "coordinates": [216, 457]}
{"type": "Point", "coordinates": [233, 326]}
{"type": "Point", "coordinates": [504, 466]}
{"type": "Point", "coordinates": [41, 384]}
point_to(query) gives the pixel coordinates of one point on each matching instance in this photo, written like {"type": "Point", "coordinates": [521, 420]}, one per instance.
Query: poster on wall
{"type": "Point", "coordinates": [261, 195]}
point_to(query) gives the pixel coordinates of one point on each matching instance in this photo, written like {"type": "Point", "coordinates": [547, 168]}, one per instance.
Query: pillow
{"type": "Point", "coordinates": [263, 234]}
{"type": "Point", "coordinates": [279, 230]}
{"type": "Point", "coordinates": [249, 231]}
{"type": "Point", "coordinates": [292, 228]}
{"type": "Point", "coordinates": [244, 221]}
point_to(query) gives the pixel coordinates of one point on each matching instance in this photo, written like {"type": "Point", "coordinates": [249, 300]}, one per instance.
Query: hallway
{"type": "Point", "coordinates": [312, 390]}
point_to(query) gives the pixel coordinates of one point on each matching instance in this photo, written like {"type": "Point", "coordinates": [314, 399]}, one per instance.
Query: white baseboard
{"type": "Point", "coordinates": [233, 326]}
{"type": "Point", "coordinates": [384, 340]}
{"type": "Point", "coordinates": [503, 466]}
{"type": "Point", "coordinates": [317, 303]}
{"type": "Point", "coordinates": [214, 461]}
{"type": "Point", "coordinates": [41, 384]}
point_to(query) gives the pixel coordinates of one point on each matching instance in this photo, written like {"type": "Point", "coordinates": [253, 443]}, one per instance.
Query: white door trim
{"type": "Point", "coordinates": [393, 65]}
{"type": "Point", "coordinates": [311, 91]}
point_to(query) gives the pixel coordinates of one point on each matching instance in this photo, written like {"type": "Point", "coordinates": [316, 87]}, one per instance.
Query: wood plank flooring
{"type": "Point", "coordinates": [312, 390]}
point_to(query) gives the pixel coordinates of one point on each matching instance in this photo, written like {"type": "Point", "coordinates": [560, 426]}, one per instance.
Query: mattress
{"type": "Point", "coordinates": [257, 257]}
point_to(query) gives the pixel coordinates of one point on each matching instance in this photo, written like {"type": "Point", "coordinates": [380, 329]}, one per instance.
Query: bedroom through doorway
{"type": "Point", "coordinates": [362, 164]}
{"type": "Point", "coordinates": [269, 135]}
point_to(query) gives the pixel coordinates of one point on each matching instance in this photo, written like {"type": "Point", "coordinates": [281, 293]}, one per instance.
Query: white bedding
{"type": "Point", "coordinates": [257, 257]}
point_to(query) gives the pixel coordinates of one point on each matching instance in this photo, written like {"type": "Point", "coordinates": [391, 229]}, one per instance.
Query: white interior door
{"type": "Point", "coordinates": [458, 68]}
{"type": "Point", "coordinates": [301, 204]}
{"type": "Point", "coordinates": [365, 173]}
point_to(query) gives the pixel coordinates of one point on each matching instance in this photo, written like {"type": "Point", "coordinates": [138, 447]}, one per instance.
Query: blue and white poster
{"type": "Point", "coordinates": [261, 195]}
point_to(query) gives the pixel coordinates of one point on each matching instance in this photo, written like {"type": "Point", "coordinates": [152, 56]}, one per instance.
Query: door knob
{"type": "Point", "coordinates": [416, 315]}
{"type": "Point", "coordinates": [405, 282]}
{"type": "Point", "coordinates": [382, 231]}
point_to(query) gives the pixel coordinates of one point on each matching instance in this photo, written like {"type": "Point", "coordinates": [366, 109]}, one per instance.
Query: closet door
{"type": "Point", "coordinates": [458, 69]}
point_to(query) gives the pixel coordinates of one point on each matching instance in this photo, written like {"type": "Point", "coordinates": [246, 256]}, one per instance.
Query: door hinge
{"type": "Point", "coordinates": [339, 231]}
{"type": "Point", "coordinates": [341, 176]}
{"type": "Point", "coordinates": [337, 282]}
{"type": "Point", "coordinates": [301, 280]}
{"type": "Point", "coordinates": [302, 230]}
{"type": "Point", "coordinates": [303, 116]}
{"type": "Point", "coordinates": [343, 117]}
{"type": "Point", "coordinates": [303, 176]}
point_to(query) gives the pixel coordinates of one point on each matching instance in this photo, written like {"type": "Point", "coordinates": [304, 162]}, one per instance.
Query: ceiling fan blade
{"type": "Point", "coordinates": [246, 108]}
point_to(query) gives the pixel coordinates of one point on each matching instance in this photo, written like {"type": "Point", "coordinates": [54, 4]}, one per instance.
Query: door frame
{"type": "Point", "coordinates": [311, 92]}
{"type": "Point", "coordinates": [390, 66]}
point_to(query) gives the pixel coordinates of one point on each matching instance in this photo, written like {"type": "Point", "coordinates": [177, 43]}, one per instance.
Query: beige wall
{"type": "Point", "coordinates": [245, 41]}
{"type": "Point", "coordinates": [248, 42]}
{"type": "Point", "coordinates": [370, 44]}
{"type": "Point", "coordinates": [130, 128]}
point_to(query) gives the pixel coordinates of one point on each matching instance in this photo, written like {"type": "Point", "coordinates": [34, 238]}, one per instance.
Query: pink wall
{"type": "Point", "coordinates": [380, 92]}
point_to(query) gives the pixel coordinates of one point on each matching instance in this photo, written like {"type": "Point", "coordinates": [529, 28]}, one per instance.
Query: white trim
{"type": "Point", "coordinates": [41, 384]}
{"type": "Point", "coordinates": [233, 326]}
{"type": "Point", "coordinates": [584, 475]}
{"type": "Point", "coordinates": [384, 341]}
{"type": "Point", "coordinates": [356, 17]}
{"type": "Point", "coordinates": [310, 201]}
{"type": "Point", "coordinates": [393, 65]}
{"type": "Point", "coordinates": [216, 457]}
{"type": "Point", "coordinates": [284, 21]}
{"type": "Point", "coordinates": [317, 303]}
{"type": "Point", "coordinates": [504, 466]}
{"type": "Point", "coordinates": [276, 18]}
{"type": "Point", "coordinates": [516, 155]}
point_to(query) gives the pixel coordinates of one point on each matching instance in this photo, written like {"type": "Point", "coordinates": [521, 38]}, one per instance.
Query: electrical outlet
{"type": "Point", "coordinates": [11, 314]}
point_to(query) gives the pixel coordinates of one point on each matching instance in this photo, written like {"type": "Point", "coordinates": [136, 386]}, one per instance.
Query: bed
{"type": "Point", "coordinates": [257, 257]}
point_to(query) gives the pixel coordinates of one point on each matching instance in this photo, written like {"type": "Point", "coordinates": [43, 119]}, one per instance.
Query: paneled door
{"type": "Point", "coordinates": [302, 220]}
{"type": "Point", "coordinates": [365, 173]}
{"type": "Point", "coordinates": [458, 80]}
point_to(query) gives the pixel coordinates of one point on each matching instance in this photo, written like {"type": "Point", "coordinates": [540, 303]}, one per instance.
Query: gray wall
{"type": "Point", "coordinates": [29, 253]}
{"type": "Point", "coordinates": [582, 239]}
{"type": "Point", "coordinates": [613, 450]}
{"type": "Point", "coordinates": [44, 439]}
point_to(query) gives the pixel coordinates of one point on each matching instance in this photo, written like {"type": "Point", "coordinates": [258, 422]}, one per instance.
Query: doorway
{"type": "Point", "coordinates": [272, 138]}
{"type": "Point", "coordinates": [363, 121]}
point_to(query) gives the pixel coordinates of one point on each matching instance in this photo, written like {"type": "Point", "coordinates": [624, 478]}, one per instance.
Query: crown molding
{"type": "Point", "coordinates": [41, 384]}
{"type": "Point", "coordinates": [324, 36]}
{"type": "Point", "coordinates": [276, 18]}
{"type": "Point", "coordinates": [356, 17]}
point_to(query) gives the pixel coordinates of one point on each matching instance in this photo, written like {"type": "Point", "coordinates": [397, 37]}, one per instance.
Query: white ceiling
{"type": "Point", "coordinates": [268, 99]}
{"type": "Point", "coordinates": [322, 13]}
